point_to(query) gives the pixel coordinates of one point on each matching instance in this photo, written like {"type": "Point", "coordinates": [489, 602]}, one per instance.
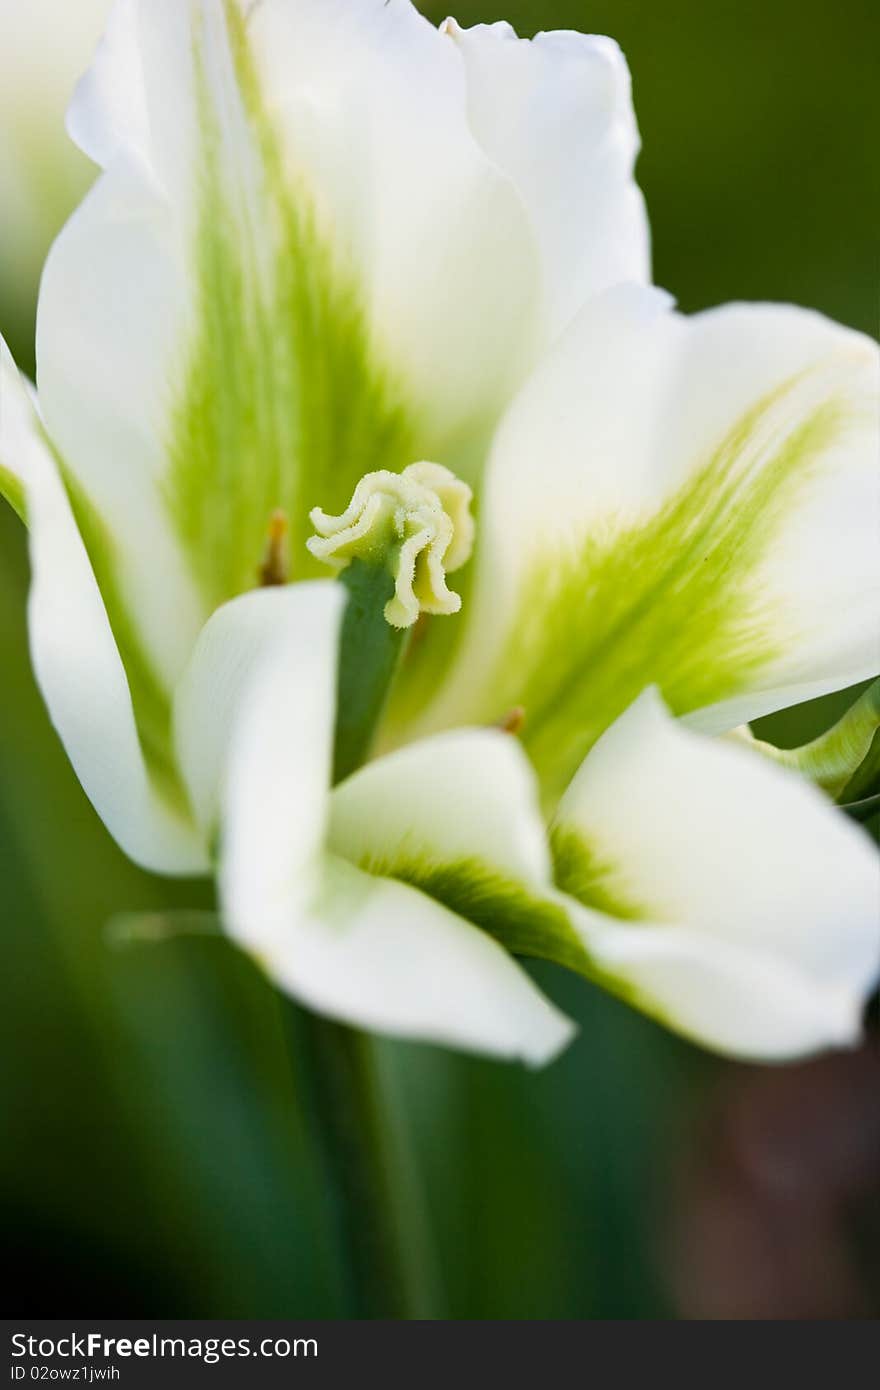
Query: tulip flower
{"type": "Point", "coordinates": [349, 297]}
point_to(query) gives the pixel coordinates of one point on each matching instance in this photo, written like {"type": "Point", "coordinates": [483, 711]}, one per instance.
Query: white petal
{"type": "Point", "coordinates": [687, 502]}
{"type": "Point", "coordinates": [376, 953]}
{"type": "Point", "coordinates": [555, 113]}
{"type": "Point", "coordinates": [737, 1002]}
{"type": "Point", "coordinates": [276, 782]}
{"type": "Point", "coordinates": [108, 331]}
{"type": "Point", "coordinates": [108, 110]}
{"type": "Point", "coordinates": [206, 703]}
{"type": "Point", "coordinates": [76, 660]}
{"type": "Point", "coordinates": [762, 898]}
{"type": "Point", "coordinates": [467, 795]}
{"type": "Point", "coordinates": [365, 949]}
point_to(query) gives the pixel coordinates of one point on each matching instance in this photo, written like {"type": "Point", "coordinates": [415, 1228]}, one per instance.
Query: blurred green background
{"type": "Point", "coordinates": [155, 1160]}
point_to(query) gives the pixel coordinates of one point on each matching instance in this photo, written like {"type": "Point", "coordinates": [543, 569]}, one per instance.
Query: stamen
{"type": "Point", "coordinates": [513, 721]}
{"type": "Point", "coordinates": [275, 569]}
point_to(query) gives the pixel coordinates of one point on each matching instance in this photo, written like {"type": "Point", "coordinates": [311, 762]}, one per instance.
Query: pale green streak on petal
{"type": "Point", "coordinates": [674, 602]}
{"type": "Point", "coordinates": [282, 405]}
{"type": "Point", "coordinates": [12, 490]}
{"type": "Point", "coordinates": [581, 874]}
{"type": "Point", "coordinates": [524, 923]}
{"type": "Point", "coordinates": [152, 707]}
{"type": "Point", "coordinates": [833, 759]}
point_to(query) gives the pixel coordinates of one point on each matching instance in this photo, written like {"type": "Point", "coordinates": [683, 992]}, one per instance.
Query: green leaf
{"type": "Point", "coordinates": [845, 759]}
{"type": "Point", "coordinates": [866, 778]}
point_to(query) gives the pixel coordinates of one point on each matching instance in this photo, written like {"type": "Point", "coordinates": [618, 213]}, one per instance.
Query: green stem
{"type": "Point", "coordinates": [378, 1214]}
{"type": "Point", "coordinates": [376, 1206]}
{"type": "Point", "coordinates": [370, 652]}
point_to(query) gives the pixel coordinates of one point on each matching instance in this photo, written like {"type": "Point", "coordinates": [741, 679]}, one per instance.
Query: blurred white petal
{"type": "Point", "coordinates": [76, 657]}
{"type": "Point", "coordinates": [751, 904]}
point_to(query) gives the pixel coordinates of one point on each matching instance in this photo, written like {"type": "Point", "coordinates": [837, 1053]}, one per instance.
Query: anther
{"type": "Point", "coordinates": [275, 568]}
{"type": "Point", "coordinates": [513, 721]}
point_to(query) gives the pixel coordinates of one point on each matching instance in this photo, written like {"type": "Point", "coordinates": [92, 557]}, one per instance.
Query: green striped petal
{"type": "Point", "coordinates": [457, 818]}
{"type": "Point", "coordinates": [689, 503]}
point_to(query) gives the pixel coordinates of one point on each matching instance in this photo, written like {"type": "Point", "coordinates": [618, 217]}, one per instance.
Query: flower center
{"type": "Point", "coordinates": [416, 524]}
